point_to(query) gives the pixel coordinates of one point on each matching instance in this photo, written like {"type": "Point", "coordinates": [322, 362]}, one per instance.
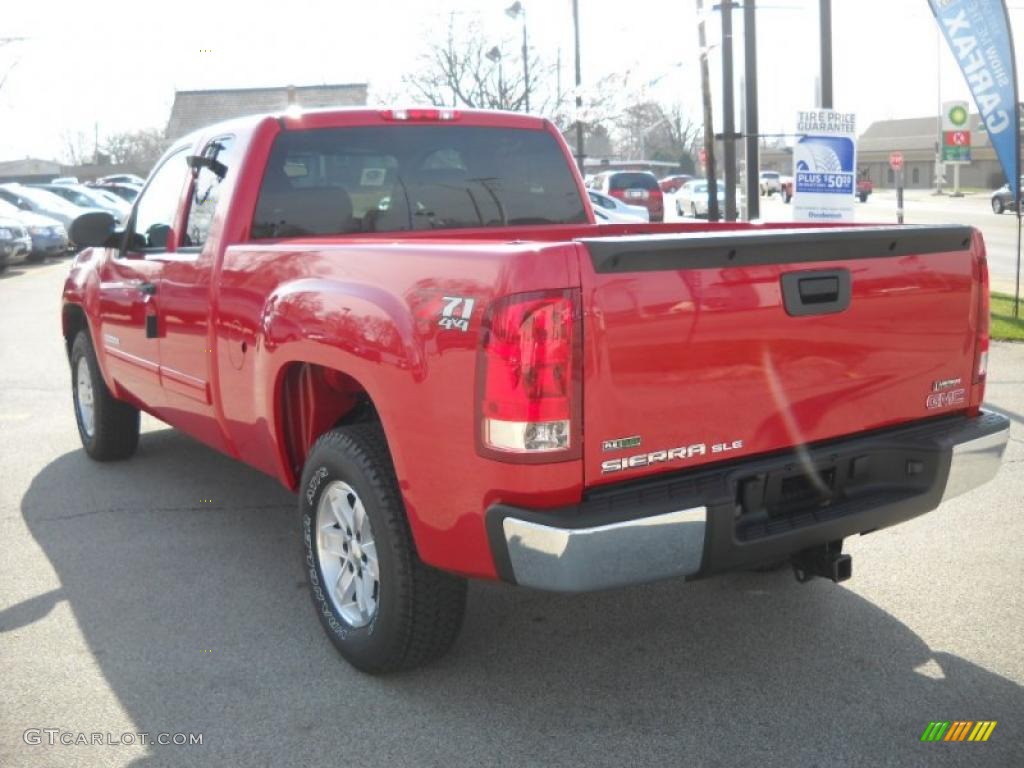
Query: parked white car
{"type": "Point", "coordinates": [43, 202]}
{"type": "Point", "coordinates": [692, 198]}
{"type": "Point", "coordinates": [770, 182]}
{"type": "Point", "coordinates": [612, 211]}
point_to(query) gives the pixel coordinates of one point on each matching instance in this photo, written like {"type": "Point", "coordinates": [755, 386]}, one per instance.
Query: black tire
{"type": "Point", "coordinates": [786, 197]}
{"type": "Point", "coordinates": [35, 258]}
{"type": "Point", "coordinates": [862, 197]}
{"type": "Point", "coordinates": [419, 609]}
{"type": "Point", "coordinates": [115, 433]}
{"type": "Point", "coordinates": [997, 206]}
{"type": "Point", "coordinates": [679, 210]}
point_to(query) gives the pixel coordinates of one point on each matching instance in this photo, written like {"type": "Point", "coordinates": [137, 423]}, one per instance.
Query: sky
{"type": "Point", "coordinates": [109, 65]}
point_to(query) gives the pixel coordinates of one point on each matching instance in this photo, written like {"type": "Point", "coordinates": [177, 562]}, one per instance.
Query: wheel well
{"type": "Point", "coordinates": [72, 320]}
{"type": "Point", "coordinates": [313, 399]}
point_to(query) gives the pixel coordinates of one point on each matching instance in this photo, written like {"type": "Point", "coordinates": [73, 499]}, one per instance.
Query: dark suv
{"type": "Point", "coordinates": [635, 188]}
{"type": "Point", "coordinates": [1002, 198]}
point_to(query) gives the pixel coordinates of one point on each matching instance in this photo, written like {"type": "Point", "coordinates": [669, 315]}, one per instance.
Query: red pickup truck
{"type": "Point", "coordinates": [411, 319]}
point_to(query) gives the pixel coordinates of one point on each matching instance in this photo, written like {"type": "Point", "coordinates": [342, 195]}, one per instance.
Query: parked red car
{"type": "Point", "coordinates": [671, 184]}
{"type": "Point", "coordinates": [634, 188]}
{"type": "Point", "coordinates": [411, 319]}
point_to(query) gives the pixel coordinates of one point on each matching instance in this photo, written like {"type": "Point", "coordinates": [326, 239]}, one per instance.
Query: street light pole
{"type": "Point", "coordinates": [751, 128]}
{"type": "Point", "coordinates": [514, 11]}
{"type": "Point", "coordinates": [825, 23]}
{"type": "Point", "coordinates": [709, 121]}
{"type": "Point", "coordinates": [495, 55]}
{"type": "Point", "coordinates": [579, 86]}
{"type": "Point", "coordinates": [728, 113]}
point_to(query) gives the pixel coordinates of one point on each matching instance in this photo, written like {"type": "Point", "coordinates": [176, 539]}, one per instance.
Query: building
{"type": "Point", "coordinates": [194, 109]}
{"type": "Point", "coordinates": [31, 170]}
{"type": "Point", "coordinates": [917, 138]}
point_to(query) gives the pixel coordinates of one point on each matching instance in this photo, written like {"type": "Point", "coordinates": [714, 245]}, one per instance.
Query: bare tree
{"type": "Point", "coordinates": [464, 70]}
{"type": "Point", "coordinates": [79, 147]}
{"type": "Point", "coordinates": [141, 148]}
{"type": "Point", "coordinates": [5, 41]}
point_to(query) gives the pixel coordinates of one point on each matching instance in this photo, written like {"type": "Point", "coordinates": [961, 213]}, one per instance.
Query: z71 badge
{"type": "Point", "coordinates": [456, 313]}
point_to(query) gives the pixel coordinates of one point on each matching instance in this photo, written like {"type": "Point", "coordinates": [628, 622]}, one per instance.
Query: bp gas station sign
{"type": "Point", "coordinates": [956, 132]}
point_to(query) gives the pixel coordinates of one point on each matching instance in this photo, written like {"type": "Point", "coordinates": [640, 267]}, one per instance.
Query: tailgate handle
{"type": "Point", "coordinates": [817, 292]}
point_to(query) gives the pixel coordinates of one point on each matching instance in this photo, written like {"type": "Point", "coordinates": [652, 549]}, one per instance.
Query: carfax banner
{"type": "Point", "coordinates": [824, 165]}
{"type": "Point", "coordinates": [978, 33]}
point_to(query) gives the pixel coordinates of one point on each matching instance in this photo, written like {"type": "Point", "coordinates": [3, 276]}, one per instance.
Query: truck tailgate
{"type": "Point", "coordinates": [713, 346]}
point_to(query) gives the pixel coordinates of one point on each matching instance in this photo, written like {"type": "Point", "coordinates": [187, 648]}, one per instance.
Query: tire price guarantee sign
{"type": "Point", "coordinates": [825, 165]}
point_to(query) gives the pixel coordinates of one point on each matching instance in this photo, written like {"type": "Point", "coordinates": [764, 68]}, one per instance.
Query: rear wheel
{"type": "Point", "coordinates": [862, 197]}
{"type": "Point", "coordinates": [997, 205]}
{"type": "Point", "coordinates": [109, 428]}
{"type": "Point", "coordinates": [381, 606]}
{"type": "Point", "coordinates": [693, 209]}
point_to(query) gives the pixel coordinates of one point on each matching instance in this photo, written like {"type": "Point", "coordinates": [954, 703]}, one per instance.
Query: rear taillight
{"type": "Point", "coordinates": [984, 320]}
{"type": "Point", "coordinates": [529, 377]}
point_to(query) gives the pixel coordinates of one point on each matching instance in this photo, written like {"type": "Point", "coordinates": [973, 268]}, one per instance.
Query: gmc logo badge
{"type": "Point", "coordinates": [946, 399]}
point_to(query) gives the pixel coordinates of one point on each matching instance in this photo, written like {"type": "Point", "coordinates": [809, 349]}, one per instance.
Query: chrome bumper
{"type": "Point", "coordinates": [603, 556]}
{"type": "Point", "coordinates": [975, 462]}
{"type": "Point", "coordinates": [631, 538]}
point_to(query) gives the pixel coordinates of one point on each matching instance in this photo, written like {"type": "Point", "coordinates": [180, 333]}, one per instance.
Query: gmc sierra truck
{"type": "Point", "coordinates": [411, 319]}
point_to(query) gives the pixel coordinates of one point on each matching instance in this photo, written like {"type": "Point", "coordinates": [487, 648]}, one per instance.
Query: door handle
{"type": "Point", "coordinates": [816, 292]}
{"type": "Point", "coordinates": [149, 289]}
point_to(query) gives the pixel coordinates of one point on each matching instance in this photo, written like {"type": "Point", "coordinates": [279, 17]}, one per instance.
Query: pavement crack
{"type": "Point", "coordinates": [159, 510]}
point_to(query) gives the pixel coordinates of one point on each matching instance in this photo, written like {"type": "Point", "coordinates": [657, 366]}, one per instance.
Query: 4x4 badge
{"type": "Point", "coordinates": [620, 443]}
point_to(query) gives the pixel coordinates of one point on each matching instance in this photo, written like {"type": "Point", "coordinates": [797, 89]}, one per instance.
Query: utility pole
{"type": "Point", "coordinates": [579, 86]}
{"type": "Point", "coordinates": [728, 112]}
{"type": "Point", "coordinates": [514, 11]}
{"type": "Point", "coordinates": [750, 129]}
{"type": "Point", "coordinates": [825, 22]}
{"type": "Point", "coordinates": [709, 122]}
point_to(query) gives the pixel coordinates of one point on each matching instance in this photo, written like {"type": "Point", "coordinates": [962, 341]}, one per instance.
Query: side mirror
{"type": "Point", "coordinates": [94, 230]}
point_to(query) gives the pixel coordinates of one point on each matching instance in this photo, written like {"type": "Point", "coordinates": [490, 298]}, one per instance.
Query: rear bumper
{"type": "Point", "coordinates": [702, 522]}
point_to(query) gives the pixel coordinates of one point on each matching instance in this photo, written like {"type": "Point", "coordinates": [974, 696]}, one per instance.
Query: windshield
{"type": "Point", "coordinates": [413, 177]}
{"type": "Point", "coordinates": [633, 181]}
{"type": "Point", "coordinates": [48, 200]}
{"type": "Point", "coordinates": [72, 195]}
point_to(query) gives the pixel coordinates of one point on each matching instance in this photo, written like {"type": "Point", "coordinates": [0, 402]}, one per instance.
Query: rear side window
{"type": "Point", "coordinates": [413, 177]}
{"type": "Point", "coordinates": [633, 181]}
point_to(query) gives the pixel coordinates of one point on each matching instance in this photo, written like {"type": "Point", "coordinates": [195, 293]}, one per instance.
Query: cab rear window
{"type": "Point", "coordinates": [413, 177]}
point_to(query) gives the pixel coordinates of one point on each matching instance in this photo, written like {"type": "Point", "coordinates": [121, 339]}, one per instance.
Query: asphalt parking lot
{"type": "Point", "coordinates": [166, 595]}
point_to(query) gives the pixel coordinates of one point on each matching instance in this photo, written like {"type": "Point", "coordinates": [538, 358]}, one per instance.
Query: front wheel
{"type": "Point", "coordinates": [381, 606]}
{"type": "Point", "coordinates": [997, 206]}
{"type": "Point", "coordinates": [108, 427]}
{"type": "Point", "coordinates": [862, 197]}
